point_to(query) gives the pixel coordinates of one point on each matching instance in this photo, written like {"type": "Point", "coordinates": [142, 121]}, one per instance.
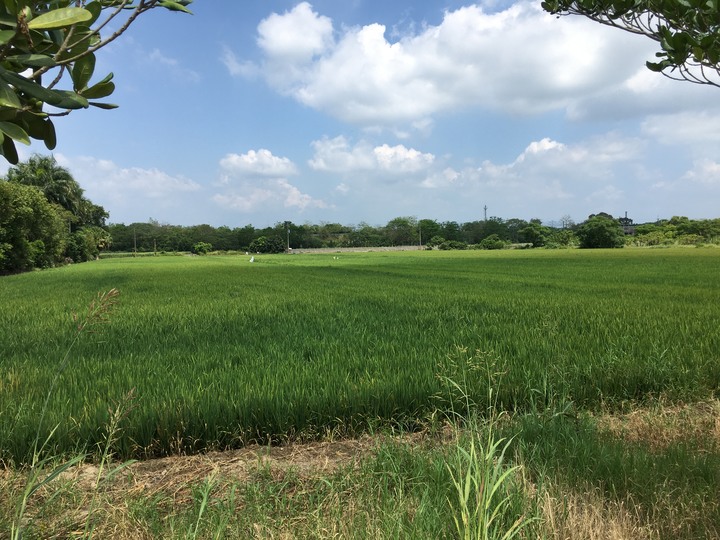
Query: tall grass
{"type": "Point", "coordinates": [97, 313]}
{"type": "Point", "coordinates": [671, 490]}
{"type": "Point", "coordinates": [222, 352]}
{"type": "Point", "coordinates": [489, 502]}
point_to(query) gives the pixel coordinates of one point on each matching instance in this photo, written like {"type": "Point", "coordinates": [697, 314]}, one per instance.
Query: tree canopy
{"type": "Point", "coordinates": [56, 183]}
{"type": "Point", "coordinates": [45, 46]}
{"type": "Point", "coordinates": [32, 229]}
{"type": "Point", "coordinates": [687, 31]}
{"type": "Point", "coordinates": [59, 187]}
{"type": "Point", "coordinates": [601, 231]}
{"type": "Point", "coordinates": [45, 219]}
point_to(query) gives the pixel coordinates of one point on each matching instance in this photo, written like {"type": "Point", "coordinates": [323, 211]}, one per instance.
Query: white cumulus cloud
{"type": "Point", "coordinates": [291, 42]}
{"type": "Point", "coordinates": [705, 172]}
{"type": "Point", "coordinates": [130, 193]}
{"type": "Point", "coordinates": [257, 180]}
{"type": "Point", "coordinates": [519, 59]}
{"type": "Point", "coordinates": [295, 36]}
{"type": "Point", "coordinates": [257, 163]}
{"type": "Point", "coordinates": [590, 160]}
{"type": "Point", "coordinates": [337, 155]}
{"type": "Point", "coordinates": [278, 193]}
{"type": "Point", "coordinates": [104, 179]}
{"type": "Point", "coordinates": [687, 128]}
{"type": "Point", "coordinates": [546, 177]}
{"type": "Point", "coordinates": [402, 160]}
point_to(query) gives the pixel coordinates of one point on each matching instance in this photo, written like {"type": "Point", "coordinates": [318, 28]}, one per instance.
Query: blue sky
{"type": "Point", "coordinates": [362, 111]}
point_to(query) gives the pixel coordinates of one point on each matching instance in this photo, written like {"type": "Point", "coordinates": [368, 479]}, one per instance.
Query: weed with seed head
{"type": "Point", "coordinates": [121, 410]}
{"type": "Point", "coordinates": [98, 312]}
{"type": "Point", "coordinates": [489, 503]}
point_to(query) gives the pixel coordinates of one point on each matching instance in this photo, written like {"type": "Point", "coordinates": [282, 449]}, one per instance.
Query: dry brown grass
{"type": "Point", "coordinates": [173, 475]}
{"type": "Point", "coordinates": [586, 515]}
{"type": "Point", "coordinates": [660, 426]}
{"type": "Point", "coordinates": [569, 512]}
{"type": "Point", "coordinates": [169, 483]}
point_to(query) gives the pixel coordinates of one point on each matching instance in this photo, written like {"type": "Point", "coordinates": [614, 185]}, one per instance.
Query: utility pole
{"type": "Point", "coordinates": [287, 227]}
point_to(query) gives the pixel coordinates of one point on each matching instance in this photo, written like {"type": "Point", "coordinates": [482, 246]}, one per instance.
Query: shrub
{"type": "Point", "coordinates": [690, 239]}
{"type": "Point", "coordinates": [452, 244]}
{"type": "Point", "coordinates": [32, 230]}
{"type": "Point", "coordinates": [435, 241]}
{"type": "Point", "coordinates": [601, 232]}
{"type": "Point", "coordinates": [85, 244]}
{"type": "Point", "coordinates": [492, 242]}
{"type": "Point", "coordinates": [267, 244]}
{"type": "Point", "coordinates": [561, 238]}
{"type": "Point", "coordinates": [202, 248]}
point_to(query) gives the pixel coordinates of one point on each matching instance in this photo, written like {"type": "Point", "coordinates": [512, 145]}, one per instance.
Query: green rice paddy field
{"type": "Point", "coordinates": [222, 352]}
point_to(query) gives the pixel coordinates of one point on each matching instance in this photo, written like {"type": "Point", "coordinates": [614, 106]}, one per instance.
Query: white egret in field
{"type": "Point", "coordinates": [252, 259]}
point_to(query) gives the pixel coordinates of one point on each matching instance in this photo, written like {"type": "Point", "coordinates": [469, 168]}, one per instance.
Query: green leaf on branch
{"type": "Point", "coordinates": [106, 106]}
{"type": "Point", "coordinates": [14, 131]}
{"type": "Point", "coordinates": [107, 78]}
{"type": "Point", "coordinates": [82, 71]}
{"type": "Point", "coordinates": [95, 9]}
{"type": "Point", "coordinates": [174, 6]}
{"type": "Point", "coordinates": [100, 90]}
{"type": "Point", "coordinates": [60, 18]}
{"type": "Point", "coordinates": [8, 97]}
{"type": "Point", "coordinates": [56, 36]}
{"type": "Point", "coordinates": [6, 36]}
{"type": "Point", "coordinates": [25, 85]}
{"type": "Point", "coordinates": [688, 31]}
{"type": "Point", "coordinates": [36, 36]}
{"type": "Point", "coordinates": [657, 67]}
{"type": "Point", "coordinates": [11, 6]}
{"type": "Point", "coordinates": [70, 100]}
{"type": "Point", "coordinates": [33, 60]}
{"type": "Point", "coordinates": [9, 151]}
{"type": "Point", "coordinates": [82, 40]}
{"type": "Point", "coordinates": [39, 127]}
{"type": "Point", "coordinates": [62, 99]}
{"type": "Point", "coordinates": [50, 138]}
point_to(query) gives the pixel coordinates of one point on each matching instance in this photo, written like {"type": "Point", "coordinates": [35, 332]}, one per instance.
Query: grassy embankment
{"type": "Point", "coordinates": [222, 353]}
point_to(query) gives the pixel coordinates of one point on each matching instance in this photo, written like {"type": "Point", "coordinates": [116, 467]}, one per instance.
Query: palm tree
{"type": "Point", "coordinates": [55, 181]}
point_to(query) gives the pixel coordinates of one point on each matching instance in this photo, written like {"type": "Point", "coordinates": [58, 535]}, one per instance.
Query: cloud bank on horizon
{"type": "Point", "coordinates": [350, 121]}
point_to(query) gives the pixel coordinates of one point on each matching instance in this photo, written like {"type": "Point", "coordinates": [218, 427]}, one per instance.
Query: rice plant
{"type": "Point", "coordinates": [98, 312]}
{"type": "Point", "coordinates": [222, 352]}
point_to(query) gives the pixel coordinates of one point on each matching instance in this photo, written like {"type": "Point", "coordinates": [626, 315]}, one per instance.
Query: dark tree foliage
{"type": "Point", "coordinates": [492, 242]}
{"type": "Point", "coordinates": [402, 231]}
{"type": "Point", "coordinates": [535, 234]}
{"type": "Point", "coordinates": [154, 236]}
{"type": "Point", "coordinates": [32, 230]}
{"type": "Point", "coordinates": [202, 248]}
{"type": "Point", "coordinates": [56, 182]}
{"type": "Point", "coordinates": [600, 231]}
{"type": "Point", "coordinates": [77, 223]}
{"type": "Point", "coordinates": [265, 244]}
{"type": "Point", "coordinates": [59, 187]}
{"type": "Point", "coordinates": [86, 244]}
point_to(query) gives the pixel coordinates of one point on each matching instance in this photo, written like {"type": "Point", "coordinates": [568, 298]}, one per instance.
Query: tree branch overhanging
{"type": "Point", "coordinates": [688, 32]}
